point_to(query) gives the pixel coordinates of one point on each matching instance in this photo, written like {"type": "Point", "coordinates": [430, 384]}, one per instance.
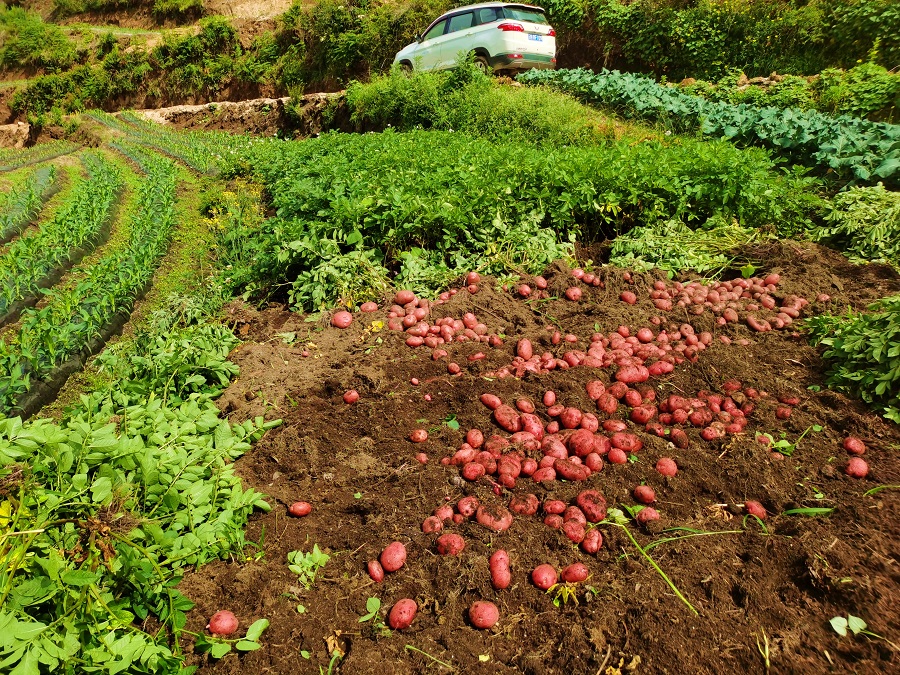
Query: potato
{"type": "Point", "coordinates": [402, 614]}
{"type": "Point", "coordinates": [581, 443]}
{"type": "Point", "coordinates": [524, 405]}
{"type": "Point", "coordinates": [526, 505]}
{"type": "Point", "coordinates": [589, 422]}
{"type": "Point", "coordinates": [300, 509]}
{"type": "Point", "coordinates": [494, 517]}
{"type": "Point", "coordinates": [545, 473]}
{"type": "Point", "coordinates": [473, 471]}
{"type": "Point", "coordinates": [857, 468]}
{"type": "Point", "coordinates": [595, 389]}
{"type": "Point", "coordinates": [544, 576]}
{"type": "Point", "coordinates": [524, 349]}
{"type": "Point", "coordinates": [393, 557]}
{"type": "Point", "coordinates": [491, 401]}
{"type": "Point", "coordinates": [574, 530]}
{"type": "Point", "coordinates": [854, 445]}
{"type": "Point", "coordinates": [444, 512]}
{"type": "Point", "coordinates": [404, 297]}
{"type": "Point", "coordinates": [553, 520]}
{"type": "Point", "coordinates": [533, 425]}
{"type": "Point", "coordinates": [573, 293]}
{"type": "Point", "coordinates": [375, 570]}
{"type": "Point", "coordinates": [667, 466]}
{"type": "Point", "coordinates": [570, 418]}
{"type": "Point", "coordinates": [617, 456]}
{"type": "Point", "coordinates": [351, 396]}
{"type": "Point", "coordinates": [418, 435]}
{"type": "Point", "coordinates": [592, 542]}
{"type": "Point", "coordinates": [632, 374]}
{"type": "Point", "coordinates": [554, 506]}
{"type": "Point", "coordinates": [498, 563]}
{"type": "Point", "coordinates": [594, 462]}
{"type": "Point", "coordinates": [593, 504]}
{"type": "Point", "coordinates": [646, 514]}
{"type": "Point", "coordinates": [627, 441]}
{"type": "Point", "coordinates": [679, 438]}
{"type": "Point", "coordinates": [450, 544]}
{"type": "Point", "coordinates": [468, 506]}
{"type": "Point", "coordinates": [222, 622]}
{"type": "Point", "coordinates": [754, 508]}
{"type": "Point", "coordinates": [508, 419]}
{"type": "Point", "coordinates": [483, 614]}
{"type": "Point", "coordinates": [628, 297]}
{"type": "Point", "coordinates": [475, 438]}
{"type": "Point", "coordinates": [644, 494]}
{"type": "Point", "coordinates": [529, 466]}
{"type": "Point", "coordinates": [575, 573]}
{"type": "Point", "coordinates": [341, 319]}
{"type": "Point", "coordinates": [571, 471]}
{"type": "Point", "coordinates": [432, 524]}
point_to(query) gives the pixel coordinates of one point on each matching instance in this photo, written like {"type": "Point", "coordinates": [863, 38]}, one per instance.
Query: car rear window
{"type": "Point", "coordinates": [488, 14]}
{"type": "Point", "coordinates": [525, 14]}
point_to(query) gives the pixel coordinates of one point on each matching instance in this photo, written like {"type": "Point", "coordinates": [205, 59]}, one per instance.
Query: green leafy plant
{"type": "Point", "coordinates": [856, 626]}
{"type": "Point", "coordinates": [219, 647]}
{"type": "Point", "coordinates": [307, 565]}
{"type": "Point", "coordinates": [784, 446]}
{"type": "Point", "coordinates": [863, 353]}
{"type": "Point", "coordinates": [373, 609]}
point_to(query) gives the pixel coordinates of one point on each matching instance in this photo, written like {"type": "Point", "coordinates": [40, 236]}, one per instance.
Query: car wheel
{"type": "Point", "coordinates": [482, 64]}
{"type": "Point", "coordinates": [406, 69]}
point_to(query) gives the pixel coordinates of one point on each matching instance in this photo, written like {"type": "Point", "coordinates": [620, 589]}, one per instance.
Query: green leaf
{"type": "Point", "coordinates": [856, 624]}
{"type": "Point", "coordinates": [373, 604]}
{"type": "Point", "coordinates": [839, 624]}
{"type": "Point", "coordinates": [220, 649]}
{"type": "Point", "coordinates": [811, 511]}
{"type": "Point", "coordinates": [79, 577]}
{"type": "Point", "coordinates": [256, 629]}
{"type": "Point", "coordinates": [247, 646]}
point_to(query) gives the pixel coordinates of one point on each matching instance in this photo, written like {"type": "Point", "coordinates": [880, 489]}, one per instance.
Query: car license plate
{"type": "Point", "coordinates": [536, 38]}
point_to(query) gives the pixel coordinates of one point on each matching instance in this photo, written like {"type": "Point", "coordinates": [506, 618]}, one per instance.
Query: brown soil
{"type": "Point", "coordinates": [356, 466]}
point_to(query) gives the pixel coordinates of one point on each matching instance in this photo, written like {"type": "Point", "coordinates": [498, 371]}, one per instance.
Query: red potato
{"type": "Point", "coordinates": [222, 622]}
{"type": "Point", "coordinates": [300, 509]}
{"type": "Point", "coordinates": [491, 401]}
{"type": "Point", "coordinates": [632, 374]}
{"type": "Point", "coordinates": [554, 506]}
{"type": "Point", "coordinates": [679, 439]}
{"type": "Point", "coordinates": [626, 441]}
{"type": "Point", "coordinates": [533, 425]}
{"type": "Point", "coordinates": [524, 405]}
{"type": "Point", "coordinates": [643, 414]}
{"type": "Point", "coordinates": [452, 368]}
{"type": "Point", "coordinates": [498, 563]}
{"type": "Point", "coordinates": [570, 418]}
{"type": "Point", "coordinates": [854, 446]}
{"type": "Point", "coordinates": [524, 290]}
{"type": "Point", "coordinates": [450, 544]}
{"type": "Point", "coordinates": [529, 466]}
{"type": "Point", "coordinates": [633, 398]}
{"type": "Point", "coordinates": [571, 471]}
{"type": "Point", "coordinates": [553, 520]}
{"type": "Point", "coordinates": [595, 389]}
{"type": "Point", "coordinates": [544, 473]}
{"type": "Point", "coordinates": [857, 468]}
{"type": "Point", "coordinates": [524, 349]}
{"type": "Point", "coordinates": [646, 514]}
{"type": "Point", "coordinates": [754, 508]}
{"type": "Point", "coordinates": [592, 542]}
{"type": "Point", "coordinates": [628, 296]}
{"type": "Point", "coordinates": [574, 513]}
{"type": "Point", "coordinates": [432, 524]}
{"type": "Point", "coordinates": [473, 278]}
{"type": "Point", "coordinates": [341, 319]}
{"type": "Point", "coordinates": [375, 570]}
{"type": "Point", "coordinates": [549, 398]}
{"type": "Point", "coordinates": [526, 505]}
{"type": "Point", "coordinates": [575, 573]}
{"type": "Point", "coordinates": [468, 506]}
{"type": "Point", "coordinates": [594, 462]}
{"type": "Point", "coordinates": [494, 517]}
{"type": "Point", "coordinates": [483, 614]}
{"type": "Point", "coordinates": [402, 614]}
{"type": "Point", "coordinates": [544, 576]}
{"type": "Point", "coordinates": [607, 404]}
{"type": "Point", "coordinates": [507, 418]}
{"type": "Point", "coordinates": [351, 396]}
{"type": "Point", "coordinates": [581, 443]}
{"type": "Point", "coordinates": [404, 297]}
{"type": "Point", "coordinates": [393, 557]}
{"type": "Point", "coordinates": [473, 471]}
{"type": "Point", "coordinates": [418, 435]}
{"type": "Point", "coordinates": [644, 494]}
{"type": "Point", "coordinates": [573, 293]}
{"type": "Point", "coordinates": [783, 412]}
{"type": "Point", "coordinates": [540, 283]}
{"type": "Point", "coordinates": [475, 438]}
{"type": "Point", "coordinates": [592, 504]}
{"type": "Point", "coordinates": [574, 530]}
{"type": "Point", "coordinates": [368, 307]}
{"type": "Point", "coordinates": [617, 456]}
{"type": "Point", "coordinates": [444, 512]}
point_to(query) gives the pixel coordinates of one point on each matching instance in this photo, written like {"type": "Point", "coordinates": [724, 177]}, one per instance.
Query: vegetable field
{"type": "Point", "coordinates": [450, 402]}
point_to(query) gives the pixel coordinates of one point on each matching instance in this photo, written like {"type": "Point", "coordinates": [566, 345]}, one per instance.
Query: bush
{"type": "Point", "coordinates": [862, 352]}
{"type": "Point", "coordinates": [466, 100]}
{"type": "Point", "coordinates": [867, 90]}
{"type": "Point", "coordinates": [25, 40]}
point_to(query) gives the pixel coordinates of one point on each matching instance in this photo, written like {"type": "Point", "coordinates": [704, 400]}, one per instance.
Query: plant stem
{"type": "Point", "coordinates": [436, 660]}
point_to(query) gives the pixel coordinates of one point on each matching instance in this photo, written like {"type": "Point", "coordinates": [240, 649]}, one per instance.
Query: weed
{"type": "Point", "coordinates": [306, 565]}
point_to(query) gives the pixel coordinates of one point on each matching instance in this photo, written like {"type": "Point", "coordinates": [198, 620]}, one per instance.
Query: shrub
{"type": "Point", "coordinates": [25, 40]}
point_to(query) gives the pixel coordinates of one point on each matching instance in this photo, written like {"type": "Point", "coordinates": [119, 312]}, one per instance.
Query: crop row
{"type": "Point", "coordinates": [15, 158]}
{"type": "Point", "coordinates": [849, 146]}
{"type": "Point", "coordinates": [353, 209]}
{"type": "Point", "coordinates": [78, 226]}
{"type": "Point", "coordinates": [73, 318]}
{"type": "Point", "coordinates": [19, 205]}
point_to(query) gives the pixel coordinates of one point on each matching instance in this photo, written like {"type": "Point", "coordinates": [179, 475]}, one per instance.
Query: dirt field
{"type": "Point", "coordinates": [761, 594]}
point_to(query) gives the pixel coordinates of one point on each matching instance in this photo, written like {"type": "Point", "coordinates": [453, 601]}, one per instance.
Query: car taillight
{"type": "Point", "coordinates": [515, 56]}
{"type": "Point", "coordinates": [552, 33]}
{"type": "Point", "coordinates": [512, 26]}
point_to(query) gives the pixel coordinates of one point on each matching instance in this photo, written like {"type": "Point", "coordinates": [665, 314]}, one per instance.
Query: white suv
{"type": "Point", "coordinates": [502, 36]}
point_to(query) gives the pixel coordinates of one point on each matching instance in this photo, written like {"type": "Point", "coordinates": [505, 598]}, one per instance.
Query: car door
{"type": "Point", "coordinates": [458, 38]}
{"type": "Point", "coordinates": [428, 54]}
